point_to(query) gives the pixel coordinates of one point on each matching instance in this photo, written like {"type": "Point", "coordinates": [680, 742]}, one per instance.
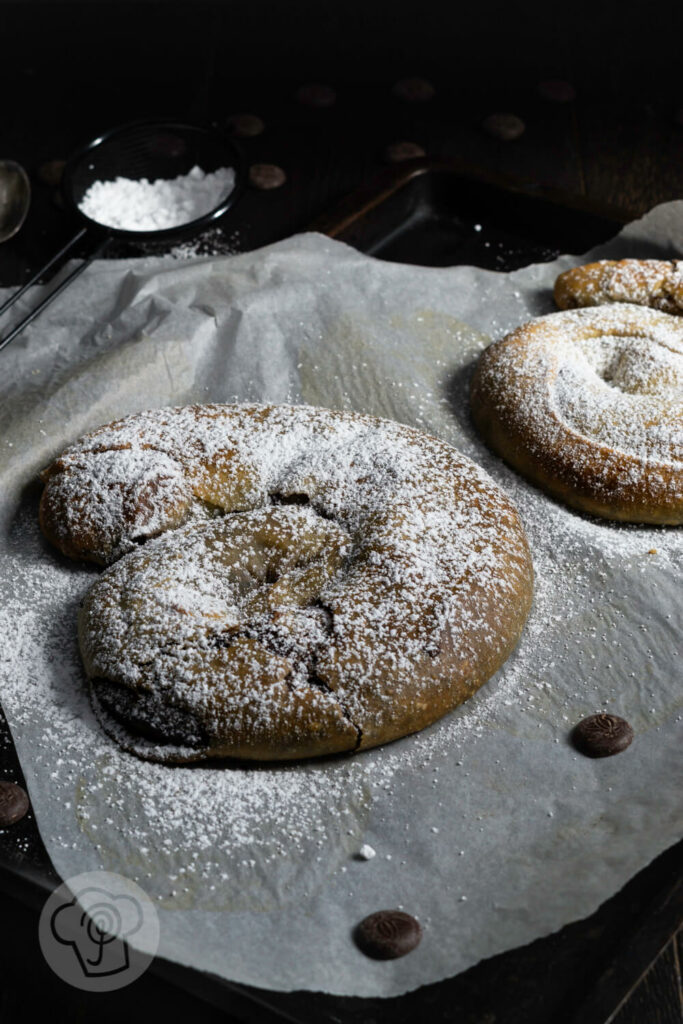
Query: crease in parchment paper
{"type": "Point", "coordinates": [487, 825]}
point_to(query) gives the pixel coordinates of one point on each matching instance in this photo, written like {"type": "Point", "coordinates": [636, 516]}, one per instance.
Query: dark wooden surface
{"type": "Point", "coordinates": [625, 150]}
{"type": "Point", "coordinates": [74, 69]}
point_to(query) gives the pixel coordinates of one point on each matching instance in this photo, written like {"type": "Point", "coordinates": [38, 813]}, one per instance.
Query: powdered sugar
{"type": "Point", "coordinates": [598, 387]}
{"type": "Point", "coordinates": [228, 635]}
{"type": "Point", "coordinates": [253, 868]}
{"type": "Point", "coordinates": [213, 242]}
{"type": "Point", "coordinates": [163, 829]}
{"type": "Point", "coordinates": [655, 283]}
{"type": "Point", "coordinates": [142, 205]}
{"type": "Point", "coordinates": [626, 394]}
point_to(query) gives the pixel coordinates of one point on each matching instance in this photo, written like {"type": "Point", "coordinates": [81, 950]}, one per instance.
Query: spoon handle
{"type": "Point", "coordinates": [18, 328]}
{"type": "Point", "coordinates": [39, 273]}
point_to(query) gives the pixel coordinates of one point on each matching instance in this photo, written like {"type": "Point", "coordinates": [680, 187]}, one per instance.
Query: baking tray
{"type": "Point", "coordinates": [433, 214]}
{"type": "Point", "coordinates": [440, 214]}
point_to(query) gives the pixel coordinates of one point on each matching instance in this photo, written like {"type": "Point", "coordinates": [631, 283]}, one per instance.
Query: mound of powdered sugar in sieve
{"type": "Point", "coordinates": [143, 205]}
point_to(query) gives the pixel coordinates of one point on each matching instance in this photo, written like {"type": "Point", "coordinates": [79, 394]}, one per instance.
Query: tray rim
{"type": "Point", "coordinates": [352, 210]}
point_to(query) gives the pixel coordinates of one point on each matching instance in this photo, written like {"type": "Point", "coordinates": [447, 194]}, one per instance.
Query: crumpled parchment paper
{"type": "Point", "coordinates": [487, 826]}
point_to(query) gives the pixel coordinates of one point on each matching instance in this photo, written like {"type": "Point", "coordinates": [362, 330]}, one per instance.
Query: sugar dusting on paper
{"type": "Point", "coordinates": [490, 804]}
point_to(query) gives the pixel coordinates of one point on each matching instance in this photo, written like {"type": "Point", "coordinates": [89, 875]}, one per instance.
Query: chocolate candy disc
{"type": "Point", "coordinates": [13, 803]}
{"type": "Point", "coordinates": [398, 151]}
{"type": "Point", "coordinates": [245, 126]}
{"type": "Point", "coordinates": [602, 735]}
{"type": "Point", "coordinates": [388, 934]}
{"type": "Point", "coordinates": [266, 176]}
{"type": "Point", "coordinates": [505, 127]}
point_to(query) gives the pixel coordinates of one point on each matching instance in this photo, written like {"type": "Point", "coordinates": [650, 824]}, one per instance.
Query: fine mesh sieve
{"type": "Point", "coordinates": [152, 149]}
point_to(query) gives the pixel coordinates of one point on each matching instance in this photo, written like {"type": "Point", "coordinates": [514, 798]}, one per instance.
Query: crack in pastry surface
{"type": "Point", "coordinates": [376, 579]}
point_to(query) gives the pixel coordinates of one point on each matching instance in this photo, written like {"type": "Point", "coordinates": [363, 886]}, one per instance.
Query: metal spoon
{"type": "Point", "coordinates": [15, 198]}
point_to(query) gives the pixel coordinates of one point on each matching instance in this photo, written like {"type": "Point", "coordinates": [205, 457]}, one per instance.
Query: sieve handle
{"type": "Point", "coordinates": [18, 328]}
{"type": "Point", "coordinates": [39, 273]}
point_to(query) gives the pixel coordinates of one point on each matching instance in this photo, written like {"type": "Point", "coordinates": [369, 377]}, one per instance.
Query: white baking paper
{"type": "Point", "coordinates": [487, 826]}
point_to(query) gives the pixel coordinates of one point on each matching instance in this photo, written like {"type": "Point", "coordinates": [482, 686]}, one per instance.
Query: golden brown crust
{"type": "Point", "coordinates": [366, 580]}
{"type": "Point", "coordinates": [654, 283]}
{"type": "Point", "coordinates": [588, 404]}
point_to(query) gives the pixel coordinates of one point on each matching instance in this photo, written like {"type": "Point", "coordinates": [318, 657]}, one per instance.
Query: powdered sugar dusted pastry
{"type": "Point", "coordinates": [655, 283]}
{"type": "Point", "coordinates": [589, 405]}
{"type": "Point", "coordinates": [320, 582]}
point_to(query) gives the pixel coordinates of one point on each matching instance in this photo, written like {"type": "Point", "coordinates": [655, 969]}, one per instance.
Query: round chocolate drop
{"type": "Point", "coordinates": [266, 176]}
{"type": "Point", "coordinates": [388, 934]}
{"type": "Point", "coordinates": [13, 803]}
{"type": "Point", "coordinates": [602, 735]}
{"type": "Point", "coordinates": [397, 152]}
{"type": "Point", "coordinates": [505, 127]}
{"type": "Point", "coordinates": [245, 126]}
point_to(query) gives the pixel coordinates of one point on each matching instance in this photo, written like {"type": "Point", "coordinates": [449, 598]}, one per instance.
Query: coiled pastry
{"type": "Point", "coordinates": [588, 404]}
{"type": "Point", "coordinates": [286, 581]}
{"type": "Point", "coordinates": [654, 283]}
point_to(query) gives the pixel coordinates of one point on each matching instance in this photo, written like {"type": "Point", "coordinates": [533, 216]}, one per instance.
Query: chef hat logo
{"type": "Point", "coordinates": [96, 923]}
{"type": "Point", "coordinates": [99, 931]}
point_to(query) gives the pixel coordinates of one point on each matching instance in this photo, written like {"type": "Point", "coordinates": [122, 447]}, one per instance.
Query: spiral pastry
{"type": "Point", "coordinates": [284, 582]}
{"type": "Point", "coordinates": [588, 404]}
{"type": "Point", "coordinates": [654, 283]}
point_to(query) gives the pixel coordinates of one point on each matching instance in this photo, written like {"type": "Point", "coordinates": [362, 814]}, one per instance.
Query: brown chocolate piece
{"type": "Point", "coordinates": [388, 934]}
{"type": "Point", "coordinates": [266, 176]}
{"type": "Point", "coordinates": [245, 126]}
{"type": "Point", "coordinates": [13, 803]}
{"type": "Point", "coordinates": [505, 127]}
{"type": "Point", "coordinates": [602, 735]}
{"type": "Point", "coordinates": [399, 151]}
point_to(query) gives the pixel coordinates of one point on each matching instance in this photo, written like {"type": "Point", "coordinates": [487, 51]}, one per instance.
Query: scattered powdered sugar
{"type": "Point", "coordinates": [605, 380]}
{"type": "Point", "coordinates": [655, 283]}
{"type": "Point", "coordinates": [251, 837]}
{"type": "Point", "coordinates": [247, 838]}
{"type": "Point", "coordinates": [353, 548]}
{"type": "Point", "coordinates": [604, 634]}
{"type": "Point", "coordinates": [213, 242]}
{"type": "Point", "coordinates": [142, 205]}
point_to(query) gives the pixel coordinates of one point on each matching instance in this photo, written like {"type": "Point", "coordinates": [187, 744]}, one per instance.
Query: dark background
{"type": "Point", "coordinates": [69, 70]}
{"type": "Point", "coordinates": [605, 48]}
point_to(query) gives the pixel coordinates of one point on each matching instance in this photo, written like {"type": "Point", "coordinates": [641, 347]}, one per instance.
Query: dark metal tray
{"type": "Point", "coordinates": [441, 214]}
{"type": "Point", "coordinates": [435, 215]}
